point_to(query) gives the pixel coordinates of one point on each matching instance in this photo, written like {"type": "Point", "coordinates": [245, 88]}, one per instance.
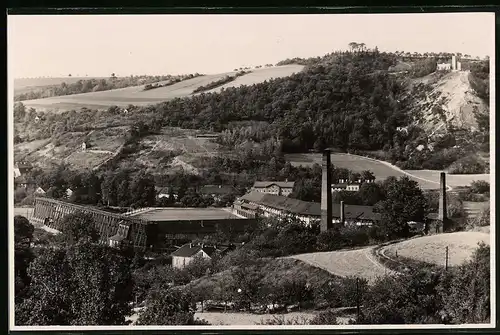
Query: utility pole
{"type": "Point", "coordinates": [446, 262]}
{"type": "Point", "coordinates": [357, 297]}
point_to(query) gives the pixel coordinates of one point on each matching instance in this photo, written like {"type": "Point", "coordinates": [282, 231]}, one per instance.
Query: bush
{"type": "Point", "coordinates": [19, 195]}
{"type": "Point", "coordinates": [471, 164]}
{"type": "Point", "coordinates": [328, 317]}
{"type": "Point", "coordinates": [480, 186]}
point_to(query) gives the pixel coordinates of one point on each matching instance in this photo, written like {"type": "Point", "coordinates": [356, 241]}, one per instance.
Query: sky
{"type": "Point", "coordinates": [98, 45]}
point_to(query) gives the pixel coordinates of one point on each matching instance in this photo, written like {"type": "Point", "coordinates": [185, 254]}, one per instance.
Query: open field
{"type": "Point", "coordinates": [260, 75]}
{"type": "Point", "coordinates": [109, 139]}
{"type": "Point", "coordinates": [27, 212]}
{"type": "Point", "coordinates": [453, 180]}
{"type": "Point", "coordinates": [474, 209]}
{"type": "Point", "coordinates": [428, 179]}
{"type": "Point", "coordinates": [432, 249]}
{"type": "Point", "coordinates": [22, 85]}
{"type": "Point", "coordinates": [86, 159]}
{"type": "Point", "coordinates": [347, 263]}
{"type": "Point", "coordinates": [167, 214]}
{"type": "Point", "coordinates": [174, 149]}
{"type": "Point", "coordinates": [381, 169]}
{"type": "Point", "coordinates": [137, 96]}
{"type": "Point", "coordinates": [25, 148]}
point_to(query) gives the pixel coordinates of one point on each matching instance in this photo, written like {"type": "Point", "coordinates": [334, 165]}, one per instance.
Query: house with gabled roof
{"type": "Point", "coordinates": [189, 251]}
{"type": "Point", "coordinates": [274, 187]}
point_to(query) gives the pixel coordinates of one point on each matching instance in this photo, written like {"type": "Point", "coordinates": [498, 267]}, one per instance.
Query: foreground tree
{"type": "Point", "coordinates": [83, 284]}
{"type": "Point", "coordinates": [408, 299]}
{"type": "Point", "coordinates": [78, 227]}
{"type": "Point", "coordinates": [167, 306]}
{"type": "Point", "coordinates": [23, 235]}
{"type": "Point", "coordinates": [404, 202]}
{"type": "Point", "coordinates": [466, 290]}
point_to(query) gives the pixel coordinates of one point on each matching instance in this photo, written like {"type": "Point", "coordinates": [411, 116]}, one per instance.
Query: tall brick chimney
{"type": "Point", "coordinates": [442, 214]}
{"type": "Point", "coordinates": [342, 213]}
{"type": "Point", "coordinates": [326, 192]}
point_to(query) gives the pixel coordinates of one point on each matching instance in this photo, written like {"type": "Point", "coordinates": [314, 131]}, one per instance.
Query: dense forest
{"type": "Point", "coordinates": [346, 100]}
{"type": "Point", "coordinates": [351, 103]}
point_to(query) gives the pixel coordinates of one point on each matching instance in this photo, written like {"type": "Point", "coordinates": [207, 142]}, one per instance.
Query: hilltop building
{"type": "Point", "coordinates": [274, 187]}
{"type": "Point", "coordinates": [444, 67]}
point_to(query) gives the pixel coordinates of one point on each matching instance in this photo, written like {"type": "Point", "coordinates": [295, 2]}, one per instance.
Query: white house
{"type": "Point", "coordinates": [189, 251]}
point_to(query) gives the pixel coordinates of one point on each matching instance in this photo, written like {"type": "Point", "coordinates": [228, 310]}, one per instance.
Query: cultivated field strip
{"type": "Point", "coordinates": [347, 263]}
{"type": "Point", "coordinates": [137, 96]}
{"type": "Point", "coordinates": [432, 249]}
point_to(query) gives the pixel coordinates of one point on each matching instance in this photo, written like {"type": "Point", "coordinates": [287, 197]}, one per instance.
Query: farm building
{"type": "Point", "coordinates": [189, 251]}
{"type": "Point", "coordinates": [149, 229]}
{"type": "Point", "coordinates": [23, 167]}
{"type": "Point", "coordinates": [274, 187]}
{"type": "Point", "coordinates": [255, 204]}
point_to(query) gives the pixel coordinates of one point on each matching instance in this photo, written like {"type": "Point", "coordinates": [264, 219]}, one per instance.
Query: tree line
{"type": "Point", "coordinates": [96, 85]}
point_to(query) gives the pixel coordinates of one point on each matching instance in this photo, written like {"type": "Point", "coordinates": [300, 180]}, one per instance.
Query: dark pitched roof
{"type": "Point", "coordinates": [253, 196]}
{"type": "Point", "coordinates": [216, 189]}
{"type": "Point", "coordinates": [282, 184]}
{"type": "Point", "coordinates": [300, 207]}
{"type": "Point", "coordinates": [190, 249]}
{"type": "Point", "coordinates": [291, 205]}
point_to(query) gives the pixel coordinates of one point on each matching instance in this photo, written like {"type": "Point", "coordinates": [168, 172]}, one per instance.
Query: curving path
{"type": "Point", "coordinates": [381, 169]}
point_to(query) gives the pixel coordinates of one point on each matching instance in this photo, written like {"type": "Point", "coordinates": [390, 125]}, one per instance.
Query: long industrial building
{"type": "Point", "coordinates": [147, 229]}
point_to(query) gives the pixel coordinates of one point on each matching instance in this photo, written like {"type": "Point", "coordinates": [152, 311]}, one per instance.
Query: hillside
{"type": "Point", "coordinates": [451, 101]}
{"type": "Point", "coordinates": [136, 95]}
{"type": "Point", "coordinates": [344, 100]}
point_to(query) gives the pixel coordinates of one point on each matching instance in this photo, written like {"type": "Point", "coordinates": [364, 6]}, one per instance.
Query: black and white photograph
{"type": "Point", "coordinates": [251, 171]}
